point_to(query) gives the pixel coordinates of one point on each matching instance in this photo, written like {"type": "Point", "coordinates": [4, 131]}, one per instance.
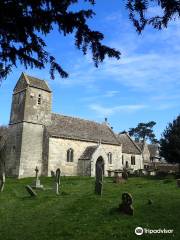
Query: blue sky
{"type": "Point", "coordinates": [143, 85]}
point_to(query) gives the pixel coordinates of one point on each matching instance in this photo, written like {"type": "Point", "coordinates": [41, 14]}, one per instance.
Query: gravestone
{"type": "Point", "coordinates": [126, 205]}
{"type": "Point", "coordinates": [125, 174]}
{"type": "Point", "coordinates": [30, 191]}
{"type": "Point", "coordinates": [57, 180]}
{"type": "Point", "coordinates": [99, 180]}
{"type": "Point", "coordinates": [2, 181]}
{"type": "Point", "coordinates": [37, 183]}
{"type": "Point", "coordinates": [118, 177]}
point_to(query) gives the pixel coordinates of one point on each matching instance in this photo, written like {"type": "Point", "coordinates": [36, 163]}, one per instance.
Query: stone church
{"type": "Point", "coordinates": [38, 137]}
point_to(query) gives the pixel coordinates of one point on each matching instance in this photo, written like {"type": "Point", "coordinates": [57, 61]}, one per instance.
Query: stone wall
{"type": "Point", "coordinates": [146, 154]}
{"type": "Point", "coordinates": [31, 149]}
{"type": "Point", "coordinates": [58, 156]}
{"type": "Point", "coordinates": [34, 112]}
{"type": "Point", "coordinates": [138, 161]}
{"type": "Point", "coordinates": [13, 149]}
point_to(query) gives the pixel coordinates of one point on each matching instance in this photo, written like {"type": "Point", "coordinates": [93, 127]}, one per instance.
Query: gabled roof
{"type": "Point", "coordinates": [26, 80]}
{"type": "Point", "coordinates": [80, 129]}
{"type": "Point", "coordinates": [153, 149]}
{"type": "Point", "coordinates": [87, 154]}
{"type": "Point", "coordinates": [140, 145]}
{"type": "Point", "coordinates": [128, 145]}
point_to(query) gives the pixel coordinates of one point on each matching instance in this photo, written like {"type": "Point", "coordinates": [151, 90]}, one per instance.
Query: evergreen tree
{"type": "Point", "coordinates": [170, 142]}
{"type": "Point", "coordinates": [25, 23]}
{"type": "Point", "coordinates": [144, 132]}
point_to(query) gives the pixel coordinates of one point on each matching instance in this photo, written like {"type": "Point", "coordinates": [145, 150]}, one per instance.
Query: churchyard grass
{"type": "Point", "coordinates": [78, 214]}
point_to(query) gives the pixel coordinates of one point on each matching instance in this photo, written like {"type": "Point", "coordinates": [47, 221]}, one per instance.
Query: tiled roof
{"type": "Point", "coordinates": [128, 146]}
{"type": "Point", "coordinates": [80, 129]}
{"type": "Point", "coordinates": [140, 145]}
{"type": "Point", "coordinates": [37, 83]}
{"type": "Point", "coordinates": [87, 154]}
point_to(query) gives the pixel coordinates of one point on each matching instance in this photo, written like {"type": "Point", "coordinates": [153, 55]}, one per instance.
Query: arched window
{"type": "Point", "coordinates": [70, 155]}
{"type": "Point", "coordinates": [133, 162]}
{"type": "Point", "coordinates": [109, 158]}
{"type": "Point", "coordinates": [122, 159]}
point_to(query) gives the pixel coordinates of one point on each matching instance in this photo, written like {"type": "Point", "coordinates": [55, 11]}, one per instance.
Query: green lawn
{"type": "Point", "coordinates": [78, 214]}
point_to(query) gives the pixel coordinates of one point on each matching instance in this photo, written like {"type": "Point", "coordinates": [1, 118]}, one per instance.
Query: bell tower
{"type": "Point", "coordinates": [30, 113]}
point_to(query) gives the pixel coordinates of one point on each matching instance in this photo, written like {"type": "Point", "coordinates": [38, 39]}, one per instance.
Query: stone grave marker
{"type": "Point", "coordinates": [57, 180]}
{"type": "Point", "coordinates": [126, 205]}
{"type": "Point", "coordinates": [99, 180]}
{"type": "Point", "coordinates": [125, 174]}
{"type": "Point", "coordinates": [30, 191]}
{"type": "Point", "coordinates": [37, 183]}
{"type": "Point", "coordinates": [2, 181]}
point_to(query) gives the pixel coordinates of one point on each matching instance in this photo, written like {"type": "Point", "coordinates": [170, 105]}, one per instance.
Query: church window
{"type": "Point", "coordinates": [110, 158]}
{"type": "Point", "coordinates": [70, 155]}
{"type": "Point", "coordinates": [133, 162]}
{"type": "Point", "coordinates": [39, 99]}
{"type": "Point", "coordinates": [122, 159]}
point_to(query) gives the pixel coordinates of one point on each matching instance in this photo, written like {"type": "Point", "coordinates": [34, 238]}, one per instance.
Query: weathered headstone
{"type": "Point", "coordinates": [2, 181]}
{"type": "Point", "coordinates": [57, 180]}
{"type": "Point", "coordinates": [126, 205]}
{"type": "Point", "coordinates": [30, 191]}
{"type": "Point", "coordinates": [37, 183]}
{"type": "Point", "coordinates": [125, 174]}
{"type": "Point", "coordinates": [118, 179]}
{"type": "Point", "coordinates": [99, 180]}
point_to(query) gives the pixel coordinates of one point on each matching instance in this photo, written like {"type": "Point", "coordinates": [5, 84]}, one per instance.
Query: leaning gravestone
{"type": "Point", "coordinates": [37, 183]}
{"type": "Point", "coordinates": [2, 181]}
{"type": "Point", "coordinates": [57, 180]}
{"type": "Point", "coordinates": [126, 205]}
{"type": "Point", "coordinates": [30, 191]}
{"type": "Point", "coordinates": [99, 180]}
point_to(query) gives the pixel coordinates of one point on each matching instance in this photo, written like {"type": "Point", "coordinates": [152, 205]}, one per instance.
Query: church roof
{"type": "Point", "coordinates": [80, 129]}
{"type": "Point", "coordinates": [87, 154]}
{"type": "Point", "coordinates": [128, 145]}
{"type": "Point", "coordinates": [37, 83]}
{"type": "Point", "coordinates": [140, 145]}
{"type": "Point", "coordinates": [26, 80]}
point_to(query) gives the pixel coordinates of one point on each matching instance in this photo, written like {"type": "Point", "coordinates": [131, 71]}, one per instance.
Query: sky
{"type": "Point", "coordinates": [144, 85]}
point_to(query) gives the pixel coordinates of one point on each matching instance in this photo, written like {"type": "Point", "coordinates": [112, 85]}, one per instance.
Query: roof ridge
{"type": "Point", "coordinates": [74, 117]}
{"type": "Point", "coordinates": [114, 134]}
{"type": "Point", "coordinates": [133, 142]}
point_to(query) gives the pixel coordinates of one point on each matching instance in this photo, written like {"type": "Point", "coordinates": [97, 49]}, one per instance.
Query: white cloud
{"type": "Point", "coordinates": [108, 111]}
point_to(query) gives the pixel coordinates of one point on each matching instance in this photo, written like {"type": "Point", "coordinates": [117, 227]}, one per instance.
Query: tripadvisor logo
{"type": "Point", "coordinates": [139, 231]}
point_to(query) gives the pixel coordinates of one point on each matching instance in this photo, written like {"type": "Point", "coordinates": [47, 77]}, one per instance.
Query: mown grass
{"type": "Point", "coordinates": [79, 214]}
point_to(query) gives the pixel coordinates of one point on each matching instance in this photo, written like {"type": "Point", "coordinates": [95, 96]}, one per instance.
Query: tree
{"type": "Point", "coordinates": [144, 132]}
{"type": "Point", "coordinates": [138, 13]}
{"type": "Point", "coordinates": [170, 142]}
{"type": "Point", "coordinates": [24, 23]}
{"type": "Point", "coordinates": [3, 139]}
{"type": "Point", "coordinates": [3, 135]}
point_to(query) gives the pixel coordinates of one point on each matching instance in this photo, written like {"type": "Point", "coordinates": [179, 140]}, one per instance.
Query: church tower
{"type": "Point", "coordinates": [30, 112]}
